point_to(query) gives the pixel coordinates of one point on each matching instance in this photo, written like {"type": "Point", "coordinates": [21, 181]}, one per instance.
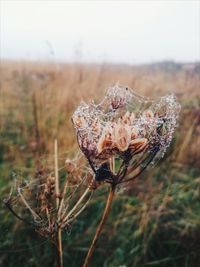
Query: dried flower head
{"type": "Point", "coordinates": [35, 201]}
{"type": "Point", "coordinates": [126, 127]}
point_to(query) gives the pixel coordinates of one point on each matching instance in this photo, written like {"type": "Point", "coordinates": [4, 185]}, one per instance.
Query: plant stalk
{"type": "Point", "coordinates": [57, 191]}
{"type": "Point", "coordinates": [100, 226]}
{"type": "Point", "coordinates": [60, 250]}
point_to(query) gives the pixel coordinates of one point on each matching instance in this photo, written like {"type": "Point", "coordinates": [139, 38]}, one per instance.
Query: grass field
{"type": "Point", "coordinates": [156, 220]}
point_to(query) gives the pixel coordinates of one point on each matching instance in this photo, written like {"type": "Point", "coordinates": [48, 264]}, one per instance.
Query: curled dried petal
{"type": "Point", "coordinates": [105, 140]}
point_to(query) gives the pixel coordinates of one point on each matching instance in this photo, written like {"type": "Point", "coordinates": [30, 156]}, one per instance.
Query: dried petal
{"type": "Point", "coordinates": [148, 114]}
{"type": "Point", "coordinates": [105, 140]}
{"type": "Point", "coordinates": [132, 117]}
{"type": "Point", "coordinates": [128, 118]}
{"type": "Point", "coordinates": [138, 144]}
{"type": "Point", "coordinates": [122, 136]}
{"type": "Point", "coordinates": [134, 133]}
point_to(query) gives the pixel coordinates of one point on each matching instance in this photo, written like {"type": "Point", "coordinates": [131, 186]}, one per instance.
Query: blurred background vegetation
{"type": "Point", "coordinates": [154, 221]}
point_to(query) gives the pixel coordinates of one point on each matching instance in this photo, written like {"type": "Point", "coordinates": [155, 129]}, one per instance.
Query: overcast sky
{"type": "Point", "coordinates": [101, 31]}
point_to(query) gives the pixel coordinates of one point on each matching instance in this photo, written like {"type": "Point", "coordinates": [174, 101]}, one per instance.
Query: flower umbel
{"type": "Point", "coordinates": [131, 129]}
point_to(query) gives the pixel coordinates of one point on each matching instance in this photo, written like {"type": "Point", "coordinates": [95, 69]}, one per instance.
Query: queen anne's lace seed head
{"type": "Point", "coordinates": [125, 124]}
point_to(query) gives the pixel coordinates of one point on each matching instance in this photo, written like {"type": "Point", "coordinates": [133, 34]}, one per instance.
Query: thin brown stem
{"type": "Point", "coordinates": [76, 205]}
{"type": "Point", "coordinates": [35, 215]}
{"type": "Point", "coordinates": [100, 226]}
{"type": "Point", "coordinates": [60, 251]}
{"type": "Point", "coordinates": [57, 190]}
{"type": "Point", "coordinates": [56, 172]}
{"type": "Point", "coordinates": [35, 117]}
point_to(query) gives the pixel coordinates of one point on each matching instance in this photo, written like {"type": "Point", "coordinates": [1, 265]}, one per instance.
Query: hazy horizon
{"type": "Point", "coordinates": [128, 32]}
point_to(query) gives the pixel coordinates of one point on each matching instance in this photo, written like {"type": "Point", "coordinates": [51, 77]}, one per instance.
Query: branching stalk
{"type": "Point", "coordinates": [35, 215]}
{"type": "Point", "coordinates": [77, 204]}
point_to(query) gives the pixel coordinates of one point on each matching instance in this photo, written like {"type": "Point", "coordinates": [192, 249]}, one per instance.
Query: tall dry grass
{"type": "Point", "coordinates": [37, 100]}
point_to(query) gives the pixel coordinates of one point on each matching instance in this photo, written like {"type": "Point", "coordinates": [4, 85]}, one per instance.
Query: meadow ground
{"type": "Point", "coordinates": [155, 221]}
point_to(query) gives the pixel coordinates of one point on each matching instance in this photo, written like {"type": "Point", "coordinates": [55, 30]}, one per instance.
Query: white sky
{"type": "Point", "coordinates": [97, 31]}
